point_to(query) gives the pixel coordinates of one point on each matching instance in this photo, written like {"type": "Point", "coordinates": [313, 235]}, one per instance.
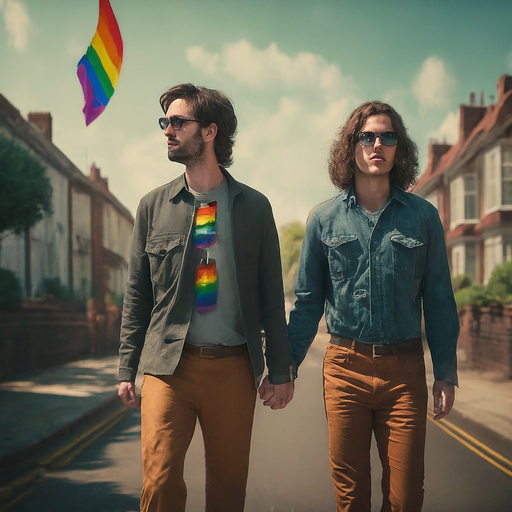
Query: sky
{"type": "Point", "coordinates": [293, 69]}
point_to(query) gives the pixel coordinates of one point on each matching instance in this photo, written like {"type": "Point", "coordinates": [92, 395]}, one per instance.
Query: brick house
{"type": "Point", "coordinates": [84, 244]}
{"type": "Point", "coordinates": [470, 183]}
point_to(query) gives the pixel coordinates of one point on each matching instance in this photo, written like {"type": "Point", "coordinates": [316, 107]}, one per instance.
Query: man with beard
{"type": "Point", "coordinates": [204, 284]}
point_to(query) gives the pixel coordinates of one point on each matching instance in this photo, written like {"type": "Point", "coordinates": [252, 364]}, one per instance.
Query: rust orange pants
{"type": "Point", "coordinates": [386, 396]}
{"type": "Point", "coordinates": [221, 395]}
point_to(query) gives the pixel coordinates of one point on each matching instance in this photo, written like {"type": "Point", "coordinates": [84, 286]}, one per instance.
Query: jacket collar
{"type": "Point", "coordinates": [349, 198]}
{"type": "Point", "coordinates": [180, 183]}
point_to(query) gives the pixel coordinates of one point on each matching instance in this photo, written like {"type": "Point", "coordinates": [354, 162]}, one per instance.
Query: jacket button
{"type": "Point", "coordinates": [162, 252]}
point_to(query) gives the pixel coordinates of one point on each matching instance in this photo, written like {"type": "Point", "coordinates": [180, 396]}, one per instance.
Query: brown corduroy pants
{"type": "Point", "coordinates": [220, 393]}
{"type": "Point", "coordinates": [386, 395]}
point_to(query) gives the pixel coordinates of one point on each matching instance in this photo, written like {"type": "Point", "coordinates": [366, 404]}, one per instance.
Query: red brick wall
{"type": "Point", "coordinates": [486, 338]}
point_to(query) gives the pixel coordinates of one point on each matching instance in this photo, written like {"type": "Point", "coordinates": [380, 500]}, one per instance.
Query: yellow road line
{"type": "Point", "coordinates": [45, 461]}
{"type": "Point", "coordinates": [85, 438]}
{"type": "Point", "coordinates": [459, 435]}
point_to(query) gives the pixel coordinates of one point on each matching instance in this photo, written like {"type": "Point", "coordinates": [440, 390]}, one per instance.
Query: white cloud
{"type": "Point", "coordinates": [146, 167]}
{"type": "Point", "coordinates": [259, 69]}
{"type": "Point", "coordinates": [282, 149]}
{"type": "Point", "coordinates": [284, 153]}
{"type": "Point", "coordinates": [434, 85]}
{"type": "Point", "coordinates": [17, 23]}
{"type": "Point", "coordinates": [448, 131]}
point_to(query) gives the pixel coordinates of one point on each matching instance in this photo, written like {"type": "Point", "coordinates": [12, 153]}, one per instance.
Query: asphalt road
{"type": "Point", "coordinates": [289, 466]}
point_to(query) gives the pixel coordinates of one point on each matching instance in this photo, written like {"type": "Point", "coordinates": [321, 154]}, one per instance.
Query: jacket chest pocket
{"type": "Point", "coordinates": [165, 255]}
{"type": "Point", "coordinates": [408, 255]}
{"type": "Point", "coordinates": [343, 252]}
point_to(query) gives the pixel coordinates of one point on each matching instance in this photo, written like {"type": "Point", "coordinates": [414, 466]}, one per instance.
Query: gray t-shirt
{"type": "Point", "coordinates": [223, 325]}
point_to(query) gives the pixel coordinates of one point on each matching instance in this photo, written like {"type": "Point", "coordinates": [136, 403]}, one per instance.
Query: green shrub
{"type": "Point", "coordinates": [52, 286]}
{"type": "Point", "coordinates": [461, 281]}
{"type": "Point", "coordinates": [10, 290]}
{"type": "Point", "coordinates": [500, 283]}
{"type": "Point", "coordinates": [473, 295]}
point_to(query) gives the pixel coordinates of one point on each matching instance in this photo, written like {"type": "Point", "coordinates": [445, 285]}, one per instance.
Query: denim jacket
{"type": "Point", "coordinates": [373, 279]}
{"type": "Point", "coordinates": [160, 294]}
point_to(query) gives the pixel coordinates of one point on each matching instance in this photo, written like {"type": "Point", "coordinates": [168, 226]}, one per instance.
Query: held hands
{"type": "Point", "coordinates": [444, 396]}
{"type": "Point", "coordinates": [276, 396]}
{"type": "Point", "coordinates": [127, 394]}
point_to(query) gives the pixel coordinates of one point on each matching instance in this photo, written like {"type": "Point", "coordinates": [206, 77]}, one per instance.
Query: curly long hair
{"type": "Point", "coordinates": [342, 162]}
{"type": "Point", "coordinates": [210, 106]}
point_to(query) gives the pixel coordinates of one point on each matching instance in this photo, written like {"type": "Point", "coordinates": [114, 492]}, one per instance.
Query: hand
{"type": "Point", "coordinates": [444, 396]}
{"type": "Point", "coordinates": [276, 396]}
{"type": "Point", "coordinates": [127, 394]}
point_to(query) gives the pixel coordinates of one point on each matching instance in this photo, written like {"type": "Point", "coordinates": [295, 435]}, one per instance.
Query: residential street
{"type": "Point", "coordinates": [289, 467]}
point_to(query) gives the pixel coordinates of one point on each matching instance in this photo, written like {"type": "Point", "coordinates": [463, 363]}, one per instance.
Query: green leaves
{"type": "Point", "coordinates": [25, 190]}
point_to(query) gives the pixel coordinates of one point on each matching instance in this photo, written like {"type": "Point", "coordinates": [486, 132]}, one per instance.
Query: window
{"type": "Point", "coordinates": [464, 259]}
{"type": "Point", "coordinates": [493, 256]}
{"type": "Point", "coordinates": [463, 199]}
{"type": "Point", "coordinates": [457, 260]}
{"type": "Point", "coordinates": [506, 168]}
{"type": "Point", "coordinates": [491, 179]}
{"type": "Point", "coordinates": [470, 196]}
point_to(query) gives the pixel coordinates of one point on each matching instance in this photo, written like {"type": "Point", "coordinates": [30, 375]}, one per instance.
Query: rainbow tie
{"type": "Point", "coordinates": [205, 235]}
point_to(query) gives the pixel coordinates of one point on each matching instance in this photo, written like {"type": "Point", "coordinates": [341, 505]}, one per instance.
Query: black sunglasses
{"type": "Point", "coordinates": [369, 138]}
{"type": "Point", "coordinates": [176, 122]}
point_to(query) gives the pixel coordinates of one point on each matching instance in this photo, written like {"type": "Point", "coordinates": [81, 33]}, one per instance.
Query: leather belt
{"type": "Point", "coordinates": [216, 351]}
{"type": "Point", "coordinates": [412, 345]}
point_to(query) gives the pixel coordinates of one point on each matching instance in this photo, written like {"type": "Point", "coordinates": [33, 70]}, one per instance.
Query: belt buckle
{"type": "Point", "coordinates": [374, 354]}
{"type": "Point", "coordinates": [203, 352]}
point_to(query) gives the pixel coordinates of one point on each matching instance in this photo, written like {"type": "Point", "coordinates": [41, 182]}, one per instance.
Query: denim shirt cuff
{"type": "Point", "coordinates": [282, 378]}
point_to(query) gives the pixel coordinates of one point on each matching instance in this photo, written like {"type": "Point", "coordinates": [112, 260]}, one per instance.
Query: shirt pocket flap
{"type": "Point", "coordinates": [161, 246]}
{"type": "Point", "coordinates": [406, 241]}
{"type": "Point", "coordinates": [336, 241]}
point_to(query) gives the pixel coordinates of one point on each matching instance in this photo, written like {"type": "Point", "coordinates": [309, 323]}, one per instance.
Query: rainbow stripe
{"type": "Point", "coordinates": [205, 233]}
{"type": "Point", "coordinates": [206, 287]}
{"type": "Point", "coordinates": [98, 70]}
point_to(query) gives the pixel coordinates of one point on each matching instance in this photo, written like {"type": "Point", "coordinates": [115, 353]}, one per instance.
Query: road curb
{"type": "Point", "coordinates": [21, 471]}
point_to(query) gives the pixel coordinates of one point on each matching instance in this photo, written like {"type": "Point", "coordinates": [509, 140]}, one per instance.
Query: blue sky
{"type": "Point", "coordinates": [293, 69]}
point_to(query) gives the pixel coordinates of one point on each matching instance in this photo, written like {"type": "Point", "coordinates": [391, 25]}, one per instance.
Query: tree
{"type": "Point", "coordinates": [25, 190]}
{"type": "Point", "coordinates": [292, 235]}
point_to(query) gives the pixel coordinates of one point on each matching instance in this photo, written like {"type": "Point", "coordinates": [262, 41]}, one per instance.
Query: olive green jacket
{"type": "Point", "coordinates": [160, 295]}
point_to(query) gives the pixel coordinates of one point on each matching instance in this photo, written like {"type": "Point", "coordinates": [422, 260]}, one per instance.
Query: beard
{"type": "Point", "coordinates": [188, 151]}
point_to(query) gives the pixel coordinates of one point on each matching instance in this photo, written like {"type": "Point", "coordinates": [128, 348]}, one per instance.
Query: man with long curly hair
{"type": "Point", "coordinates": [372, 256]}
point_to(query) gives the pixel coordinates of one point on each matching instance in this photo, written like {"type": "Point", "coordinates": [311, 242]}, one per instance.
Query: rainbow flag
{"type": "Point", "coordinates": [206, 287]}
{"type": "Point", "coordinates": [205, 233]}
{"type": "Point", "coordinates": [98, 70]}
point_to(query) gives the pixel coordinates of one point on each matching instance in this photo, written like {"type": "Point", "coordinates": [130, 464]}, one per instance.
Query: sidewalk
{"type": "Point", "coordinates": [40, 405]}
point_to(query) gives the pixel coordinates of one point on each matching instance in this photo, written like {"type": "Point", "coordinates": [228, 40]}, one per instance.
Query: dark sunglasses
{"type": "Point", "coordinates": [369, 138]}
{"type": "Point", "coordinates": [175, 121]}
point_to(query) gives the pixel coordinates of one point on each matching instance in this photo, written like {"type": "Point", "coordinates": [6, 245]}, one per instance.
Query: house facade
{"type": "Point", "coordinates": [470, 183]}
{"type": "Point", "coordinates": [83, 245]}
{"type": "Point", "coordinates": [85, 241]}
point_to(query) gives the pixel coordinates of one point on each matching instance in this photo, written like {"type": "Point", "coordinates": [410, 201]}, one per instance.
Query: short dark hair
{"type": "Point", "coordinates": [210, 106]}
{"type": "Point", "coordinates": [342, 163]}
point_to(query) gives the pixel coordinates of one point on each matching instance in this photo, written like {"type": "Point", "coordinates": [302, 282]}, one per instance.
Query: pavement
{"type": "Point", "coordinates": [40, 411]}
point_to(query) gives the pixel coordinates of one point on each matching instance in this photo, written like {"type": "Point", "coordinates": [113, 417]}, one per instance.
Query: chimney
{"type": "Point", "coordinates": [435, 152]}
{"type": "Point", "coordinates": [96, 178]}
{"type": "Point", "coordinates": [469, 117]}
{"type": "Point", "coordinates": [43, 121]}
{"type": "Point", "coordinates": [504, 85]}
{"type": "Point", "coordinates": [472, 98]}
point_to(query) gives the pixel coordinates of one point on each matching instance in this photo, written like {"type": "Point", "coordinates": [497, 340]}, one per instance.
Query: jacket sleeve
{"type": "Point", "coordinates": [440, 310]}
{"type": "Point", "coordinates": [271, 296]}
{"type": "Point", "coordinates": [310, 293]}
{"type": "Point", "coordinates": [138, 301]}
